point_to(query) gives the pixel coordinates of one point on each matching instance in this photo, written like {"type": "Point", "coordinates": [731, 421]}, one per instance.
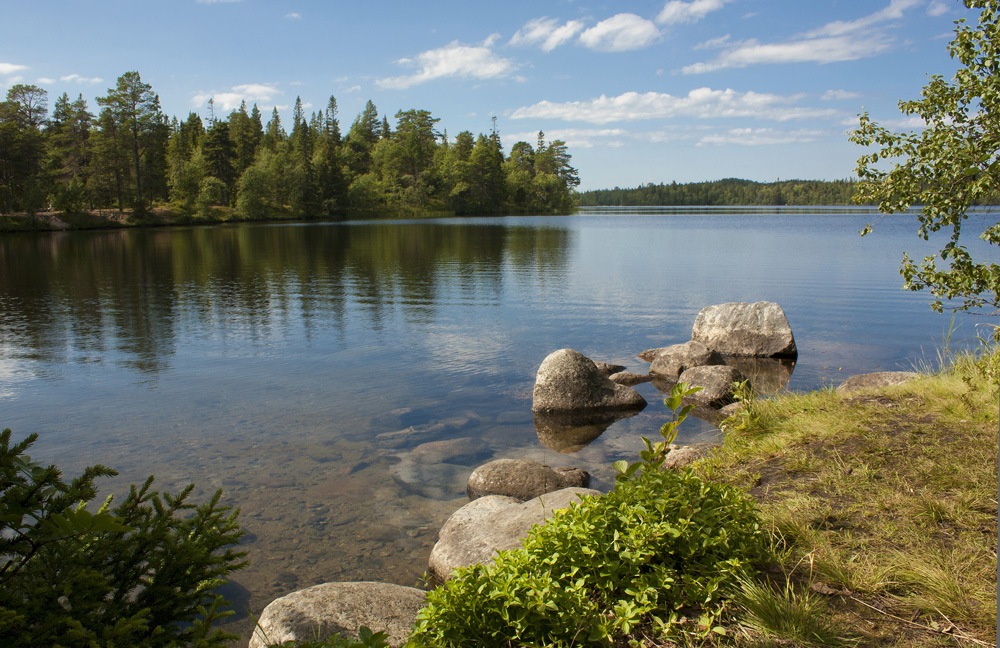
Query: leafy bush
{"type": "Point", "coordinates": [661, 549]}
{"type": "Point", "coordinates": [140, 573]}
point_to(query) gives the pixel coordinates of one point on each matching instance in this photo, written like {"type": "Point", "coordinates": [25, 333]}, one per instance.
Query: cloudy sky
{"type": "Point", "coordinates": [657, 91]}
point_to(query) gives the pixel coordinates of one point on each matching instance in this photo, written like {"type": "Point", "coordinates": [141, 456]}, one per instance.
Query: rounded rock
{"type": "Point", "coordinates": [339, 607]}
{"type": "Point", "coordinates": [522, 479]}
{"type": "Point", "coordinates": [569, 381]}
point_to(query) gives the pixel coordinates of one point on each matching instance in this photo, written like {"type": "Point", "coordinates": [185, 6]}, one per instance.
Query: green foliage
{"type": "Point", "coordinates": [140, 573]}
{"type": "Point", "coordinates": [132, 155]}
{"type": "Point", "coordinates": [658, 555]}
{"type": "Point", "coordinates": [946, 167]}
{"type": "Point", "coordinates": [729, 191]}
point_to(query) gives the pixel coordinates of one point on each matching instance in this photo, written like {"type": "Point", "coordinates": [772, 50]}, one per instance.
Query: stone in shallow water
{"type": "Point", "coordinates": [716, 384]}
{"type": "Point", "coordinates": [570, 381]}
{"type": "Point", "coordinates": [671, 361]}
{"type": "Point", "coordinates": [758, 329]}
{"type": "Point", "coordinates": [522, 479]}
{"type": "Point", "coordinates": [339, 607]}
{"type": "Point", "coordinates": [481, 528]}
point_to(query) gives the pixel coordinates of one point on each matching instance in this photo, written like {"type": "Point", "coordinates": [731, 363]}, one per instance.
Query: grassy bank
{"type": "Point", "coordinates": [883, 507]}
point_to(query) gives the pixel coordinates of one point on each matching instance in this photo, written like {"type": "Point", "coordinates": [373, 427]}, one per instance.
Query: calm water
{"type": "Point", "coordinates": [340, 381]}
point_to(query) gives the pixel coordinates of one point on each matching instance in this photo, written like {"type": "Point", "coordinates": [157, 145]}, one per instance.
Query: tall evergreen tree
{"type": "Point", "coordinates": [245, 133]}
{"type": "Point", "coordinates": [220, 159]}
{"type": "Point", "coordinates": [69, 152]}
{"type": "Point", "coordinates": [364, 132]}
{"type": "Point", "coordinates": [22, 185]}
{"type": "Point", "coordinates": [274, 135]}
{"type": "Point", "coordinates": [141, 131]}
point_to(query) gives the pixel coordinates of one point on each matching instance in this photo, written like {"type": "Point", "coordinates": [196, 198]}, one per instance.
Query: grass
{"type": "Point", "coordinates": [883, 510]}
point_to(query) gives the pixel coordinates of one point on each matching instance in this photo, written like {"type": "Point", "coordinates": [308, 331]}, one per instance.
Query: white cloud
{"type": "Point", "coordinates": [76, 78]}
{"type": "Point", "coordinates": [714, 43]}
{"type": "Point", "coordinates": [894, 11]}
{"type": "Point", "coordinates": [937, 8]}
{"type": "Point", "coordinates": [838, 95]}
{"type": "Point", "coordinates": [704, 103]}
{"type": "Point", "coordinates": [816, 50]}
{"type": "Point", "coordinates": [260, 93]}
{"type": "Point", "coordinates": [293, 16]}
{"type": "Point", "coordinates": [11, 68]}
{"type": "Point", "coordinates": [453, 60]}
{"type": "Point", "coordinates": [546, 33]}
{"type": "Point", "coordinates": [620, 33]}
{"type": "Point", "coordinates": [675, 11]}
{"type": "Point", "coordinates": [833, 42]}
{"type": "Point", "coordinates": [46, 80]}
{"type": "Point", "coordinates": [760, 137]}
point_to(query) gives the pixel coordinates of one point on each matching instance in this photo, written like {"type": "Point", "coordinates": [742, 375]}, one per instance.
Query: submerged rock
{"type": "Point", "coordinates": [339, 607]}
{"type": "Point", "coordinates": [522, 479]}
{"type": "Point", "coordinates": [481, 528]}
{"type": "Point", "coordinates": [758, 329]}
{"type": "Point", "coordinates": [569, 381]}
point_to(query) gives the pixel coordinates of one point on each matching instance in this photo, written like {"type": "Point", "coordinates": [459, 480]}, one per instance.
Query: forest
{"type": "Point", "coordinates": [730, 191]}
{"type": "Point", "coordinates": [131, 156]}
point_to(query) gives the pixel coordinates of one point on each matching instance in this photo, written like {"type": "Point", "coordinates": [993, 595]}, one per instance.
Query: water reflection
{"type": "Point", "coordinates": [568, 432]}
{"type": "Point", "coordinates": [70, 297]}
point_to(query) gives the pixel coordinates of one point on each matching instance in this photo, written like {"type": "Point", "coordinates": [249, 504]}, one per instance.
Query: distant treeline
{"type": "Point", "coordinates": [730, 191]}
{"type": "Point", "coordinates": [130, 155]}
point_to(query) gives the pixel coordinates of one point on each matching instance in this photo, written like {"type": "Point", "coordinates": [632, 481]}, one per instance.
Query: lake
{"type": "Point", "coordinates": [339, 381]}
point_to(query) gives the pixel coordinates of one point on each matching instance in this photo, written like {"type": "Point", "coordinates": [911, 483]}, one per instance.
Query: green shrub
{"type": "Point", "coordinates": [659, 554]}
{"type": "Point", "coordinates": [140, 573]}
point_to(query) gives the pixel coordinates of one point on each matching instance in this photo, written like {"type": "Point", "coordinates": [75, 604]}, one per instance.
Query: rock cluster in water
{"type": "Point", "coordinates": [574, 400]}
{"type": "Point", "coordinates": [568, 381]}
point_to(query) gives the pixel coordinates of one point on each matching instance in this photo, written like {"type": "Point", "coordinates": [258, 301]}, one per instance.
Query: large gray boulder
{"type": "Point", "coordinates": [339, 607]}
{"type": "Point", "coordinates": [877, 379]}
{"type": "Point", "coordinates": [716, 384]}
{"type": "Point", "coordinates": [671, 361]}
{"type": "Point", "coordinates": [477, 531]}
{"type": "Point", "coordinates": [758, 329]}
{"type": "Point", "coordinates": [522, 479]}
{"type": "Point", "coordinates": [568, 381]}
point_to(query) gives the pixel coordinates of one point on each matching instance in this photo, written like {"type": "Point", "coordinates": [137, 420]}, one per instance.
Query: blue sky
{"type": "Point", "coordinates": [656, 91]}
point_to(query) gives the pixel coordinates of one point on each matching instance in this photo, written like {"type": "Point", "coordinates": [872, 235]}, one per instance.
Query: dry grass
{"type": "Point", "coordinates": [883, 503]}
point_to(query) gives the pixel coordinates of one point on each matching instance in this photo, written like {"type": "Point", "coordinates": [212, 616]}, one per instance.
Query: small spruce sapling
{"type": "Point", "coordinates": [140, 573]}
